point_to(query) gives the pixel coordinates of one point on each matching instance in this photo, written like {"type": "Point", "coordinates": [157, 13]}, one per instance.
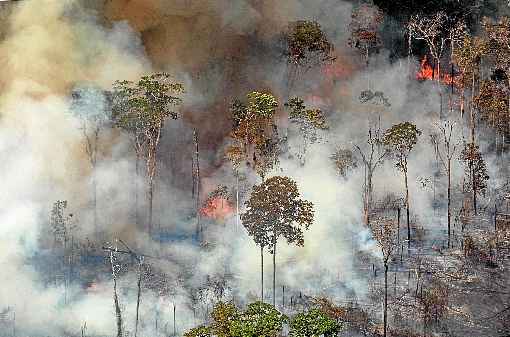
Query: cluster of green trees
{"type": "Point", "coordinates": [260, 319]}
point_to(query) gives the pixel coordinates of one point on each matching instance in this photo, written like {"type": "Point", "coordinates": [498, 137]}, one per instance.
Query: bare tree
{"type": "Point", "coordinates": [384, 232]}
{"type": "Point", "coordinates": [446, 149]}
{"type": "Point", "coordinates": [115, 269]}
{"type": "Point", "coordinates": [371, 158]}
{"type": "Point", "coordinates": [92, 106]}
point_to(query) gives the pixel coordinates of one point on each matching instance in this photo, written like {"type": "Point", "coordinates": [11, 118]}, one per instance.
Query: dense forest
{"type": "Point", "coordinates": [254, 168]}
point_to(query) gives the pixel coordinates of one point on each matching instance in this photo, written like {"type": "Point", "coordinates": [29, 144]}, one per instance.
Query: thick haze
{"type": "Point", "coordinates": [219, 50]}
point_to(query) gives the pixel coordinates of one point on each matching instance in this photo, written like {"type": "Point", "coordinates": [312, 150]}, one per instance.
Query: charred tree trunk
{"type": "Point", "coordinates": [449, 200]}
{"type": "Point", "coordinates": [407, 210]}
{"type": "Point", "coordinates": [118, 313]}
{"type": "Point", "coordinates": [262, 273]}
{"type": "Point", "coordinates": [197, 173]}
{"type": "Point", "coordinates": [139, 286]}
{"type": "Point", "coordinates": [151, 196]}
{"type": "Point", "coordinates": [137, 187]}
{"type": "Point", "coordinates": [274, 273]}
{"type": "Point", "coordinates": [385, 309]}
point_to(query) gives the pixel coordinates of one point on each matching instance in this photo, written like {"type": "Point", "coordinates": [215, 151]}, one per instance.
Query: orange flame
{"type": "Point", "coordinates": [427, 72]}
{"type": "Point", "coordinates": [217, 208]}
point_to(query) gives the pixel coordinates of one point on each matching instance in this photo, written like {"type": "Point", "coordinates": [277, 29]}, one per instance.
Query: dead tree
{"type": "Point", "coordinates": [445, 149]}
{"type": "Point", "coordinates": [371, 158]}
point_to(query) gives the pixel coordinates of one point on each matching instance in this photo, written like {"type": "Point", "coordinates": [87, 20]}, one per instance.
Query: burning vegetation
{"type": "Point", "coordinates": [143, 203]}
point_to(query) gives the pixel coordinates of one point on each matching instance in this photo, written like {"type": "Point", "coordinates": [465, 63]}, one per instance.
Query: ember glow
{"type": "Point", "coordinates": [427, 72]}
{"type": "Point", "coordinates": [217, 208]}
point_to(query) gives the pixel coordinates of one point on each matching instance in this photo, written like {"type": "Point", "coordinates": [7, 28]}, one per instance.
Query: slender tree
{"type": "Point", "coordinates": [437, 31]}
{"type": "Point", "coordinates": [274, 210]}
{"type": "Point", "coordinates": [371, 157]}
{"type": "Point", "coordinates": [92, 106]}
{"type": "Point", "coordinates": [446, 148]}
{"type": "Point", "coordinates": [384, 233]}
{"type": "Point", "coordinates": [308, 122]}
{"type": "Point", "coordinates": [254, 134]}
{"type": "Point", "coordinates": [401, 139]}
{"type": "Point", "coordinates": [141, 109]}
{"type": "Point", "coordinates": [306, 47]}
{"type": "Point", "coordinates": [476, 171]}
{"type": "Point", "coordinates": [366, 20]}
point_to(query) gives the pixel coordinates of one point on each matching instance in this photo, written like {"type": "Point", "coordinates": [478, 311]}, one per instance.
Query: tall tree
{"type": "Point", "coordinates": [401, 139]}
{"type": "Point", "coordinates": [384, 232]}
{"type": "Point", "coordinates": [141, 109]}
{"type": "Point", "coordinates": [254, 134]}
{"type": "Point", "coordinates": [92, 106]}
{"type": "Point", "coordinates": [371, 157]}
{"type": "Point", "coordinates": [446, 148]}
{"type": "Point", "coordinates": [274, 210]}
{"type": "Point", "coordinates": [437, 31]}
{"type": "Point", "coordinates": [497, 34]}
{"type": "Point", "coordinates": [307, 46]}
{"type": "Point", "coordinates": [467, 57]}
{"type": "Point", "coordinates": [366, 20]}
{"type": "Point", "coordinates": [476, 171]}
{"type": "Point", "coordinates": [308, 121]}
{"type": "Point", "coordinates": [492, 103]}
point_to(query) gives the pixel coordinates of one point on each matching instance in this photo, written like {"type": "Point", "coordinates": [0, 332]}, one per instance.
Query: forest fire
{"type": "Point", "coordinates": [217, 208]}
{"type": "Point", "coordinates": [427, 72]}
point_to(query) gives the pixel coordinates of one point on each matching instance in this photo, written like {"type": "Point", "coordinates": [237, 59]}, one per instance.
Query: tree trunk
{"type": "Point", "coordinates": [151, 194]}
{"type": "Point", "coordinates": [137, 173]}
{"type": "Point", "coordinates": [197, 166]}
{"type": "Point", "coordinates": [117, 308]}
{"type": "Point", "coordinates": [407, 210]}
{"type": "Point", "coordinates": [94, 201]}
{"type": "Point", "coordinates": [471, 110]}
{"type": "Point", "coordinates": [449, 201]}
{"type": "Point", "coordinates": [139, 285]}
{"type": "Point", "coordinates": [385, 310]}
{"type": "Point", "coordinates": [274, 273]}
{"type": "Point", "coordinates": [261, 273]}
{"type": "Point", "coordinates": [237, 201]}
{"type": "Point", "coordinates": [118, 313]}
{"type": "Point", "coordinates": [474, 190]}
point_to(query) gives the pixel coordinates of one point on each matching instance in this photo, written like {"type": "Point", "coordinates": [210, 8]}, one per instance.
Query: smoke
{"type": "Point", "coordinates": [219, 50]}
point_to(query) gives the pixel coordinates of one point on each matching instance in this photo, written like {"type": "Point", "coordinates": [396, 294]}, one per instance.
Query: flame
{"type": "Point", "coordinates": [427, 72]}
{"type": "Point", "coordinates": [217, 208]}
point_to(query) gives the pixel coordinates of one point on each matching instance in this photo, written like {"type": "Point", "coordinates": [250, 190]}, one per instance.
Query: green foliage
{"type": "Point", "coordinates": [401, 138]}
{"type": "Point", "coordinates": [261, 104]}
{"type": "Point", "coordinates": [141, 107]}
{"type": "Point", "coordinates": [223, 315]}
{"type": "Point", "coordinates": [310, 117]}
{"type": "Point", "coordinates": [344, 161]}
{"type": "Point", "coordinates": [492, 103]}
{"type": "Point", "coordinates": [274, 209]}
{"type": "Point", "coordinates": [307, 44]}
{"type": "Point", "coordinates": [258, 320]}
{"type": "Point", "coordinates": [254, 132]}
{"type": "Point", "coordinates": [313, 323]}
{"type": "Point", "coordinates": [201, 331]}
{"type": "Point", "coordinates": [238, 111]}
{"type": "Point", "coordinates": [475, 168]}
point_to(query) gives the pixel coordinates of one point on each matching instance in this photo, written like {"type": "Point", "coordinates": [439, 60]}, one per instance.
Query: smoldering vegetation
{"type": "Point", "coordinates": [146, 146]}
